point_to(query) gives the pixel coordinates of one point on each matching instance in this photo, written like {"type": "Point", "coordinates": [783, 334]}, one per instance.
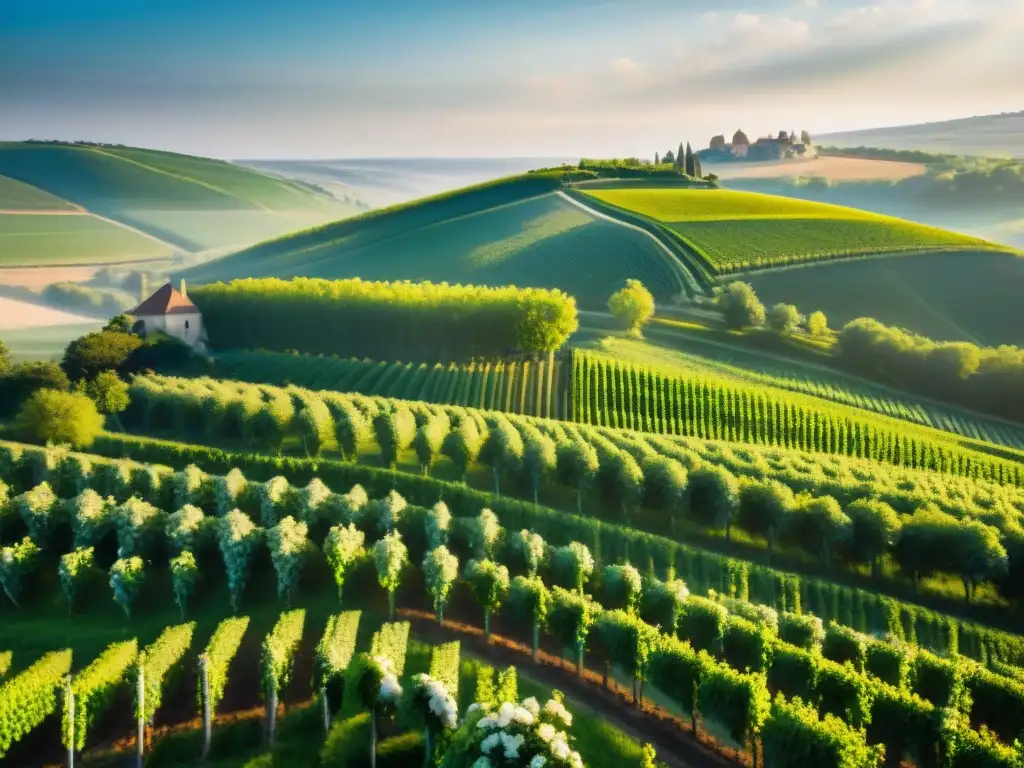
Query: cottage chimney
{"type": "Point", "coordinates": [143, 288]}
{"type": "Point", "coordinates": [182, 290]}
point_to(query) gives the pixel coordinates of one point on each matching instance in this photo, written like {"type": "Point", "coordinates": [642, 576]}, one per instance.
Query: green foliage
{"type": "Point", "coordinates": [37, 508]}
{"type": "Point", "coordinates": [90, 355]}
{"type": "Point", "coordinates": [316, 427]}
{"type": "Point", "coordinates": [502, 451]}
{"type": "Point", "coordinates": [663, 602]}
{"type": "Point", "coordinates": [127, 576]}
{"type": "Point", "coordinates": [997, 702]}
{"type": "Point", "coordinates": [90, 517]}
{"type": "Point", "coordinates": [746, 646]}
{"type": "Point", "coordinates": [410, 318]}
{"type": "Point", "coordinates": [875, 529]}
{"type": "Point", "coordinates": [51, 416]}
{"type": "Point", "coordinates": [843, 645]}
{"type": "Point", "coordinates": [490, 584]}
{"type": "Point", "coordinates": [279, 648]}
{"type": "Point", "coordinates": [95, 689]}
{"type": "Point", "coordinates": [219, 653]}
{"type": "Point", "coordinates": [572, 566]}
{"type": "Point", "coordinates": [429, 440]}
{"type": "Point", "coordinates": [793, 671]}
{"type": "Point", "coordinates": [622, 639]}
{"type": "Point", "coordinates": [390, 556]}
{"type": "Point", "coordinates": [764, 506]}
{"type": "Point", "coordinates": [237, 538]}
{"type": "Point", "coordinates": [702, 623]}
{"type": "Point", "coordinates": [525, 552]}
{"type": "Point", "coordinates": [794, 737]}
{"type": "Point", "coordinates": [783, 319]}
{"type": "Point", "coordinates": [676, 670]}
{"type": "Point", "coordinates": [633, 305]}
{"type": "Point", "coordinates": [819, 526]}
{"type": "Point", "coordinates": [507, 686]}
{"type": "Point", "coordinates": [74, 571]}
{"type": "Point", "coordinates": [483, 533]}
{"type": "Point", "coordinates": [463, 444]}
{"type": "Point", "coordinates": [906, 725]}
{"type": "Point", "coordinates": [138, 524]}
{"type": "Point", "coordinates": [735, 702]}
{"type": "Point", "coordinates": [184, 579]}
{"type": "Point", "coordinates": [183, 528]}
{"type": "Point", "coordinates": [336, 648]}
{"type": "Point", "coordinates": [740, 307]}
{"type": "Point", "coordinates": [714, 496]}
{"type": "Point", "coordinates": [343, 547]}
{"type": "Point", "coordinates": [842, 691]}
{"type": "Point", "coordinates": [889, 661]}
{"type": "Point", "coordinates": [108, 392]}
{"type": "Point", "coordinates": [571, 616]}
{"type": "Point", "coordinates": [390, 642]}
{"type": "Point", "coordinates": [621, 587]}
{"type": "Point", "coordinates": [802, 630]}
{"type": "Point", "coordinates": [529, 600]}
{"type": "Point", "coordinates": [156, 662]}
{"type": "Point", "coordinates": [817, 324]}
{"type": "Point", "coordinates": [29, 698]}
{"type": "Point", "coordinates": [940, 681]}
{"type": "Point", "coordinates": [395, 429]}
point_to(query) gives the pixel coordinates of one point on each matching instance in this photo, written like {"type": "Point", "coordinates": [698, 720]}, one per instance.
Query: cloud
{"type": "Point", "coordinates": [623, 66]}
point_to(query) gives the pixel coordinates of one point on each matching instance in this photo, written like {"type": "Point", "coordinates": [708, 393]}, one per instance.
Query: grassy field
{"type": "Point", "coordinates": [694, 358]}
{"type": "Point", "coordinates": [58, 239]}
{"type": "Point", "coordinates": [18, 196]}
{"type": "Point", "coordinates": [540, 241]}
{"type": "Point", "coordinates": [44, 342]}
{"type": "Point", "coordinates": [165, 194]}
{"type": "Point", "coordinates": [734, 231]}
{"type": "Point", "coordinates": [949, 296]}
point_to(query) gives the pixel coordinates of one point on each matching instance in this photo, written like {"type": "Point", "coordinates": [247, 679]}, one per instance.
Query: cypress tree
{"type": "Point", "coordinates": [656, 160]}
{"type": "Point", "coordinates": [691, 169]}
{"type": "Point", "coordinates": [680, 157]}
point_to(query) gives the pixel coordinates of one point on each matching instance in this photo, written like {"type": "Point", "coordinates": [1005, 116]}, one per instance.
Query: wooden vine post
{"type": "Point", "coordinates": [271, 709]}
{"type": "Point", "coordinates": [326, 708]}
{"type": "Point", "coordinates": [69, 704]}
{"type": "Point", "coordinates": [204, 671]}
{"type": "Point", "coordinates": [140, 698]}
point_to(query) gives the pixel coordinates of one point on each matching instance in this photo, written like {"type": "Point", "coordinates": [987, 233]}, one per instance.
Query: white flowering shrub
{"type": "Point", "coordinates": [288, 544]}
{"type": "Point", "coordinates": [439, 523]}
{"type": "Point", "coordinates": [344, 508]}
{"type": "Point", "coordinates": [390, 556]}
{"type": "Point", "coordinates": [136, 523]}
{"type": "Point", "coordinates": [440, 570]}
{"type": "Point", "coordinates": [311, 499]}
{"type": "Point", "coordinates": [523, 735]}
{"type": "Point", "coordinates": [373, 681]}
{"type": "Point", "coordinates": [90, 517]}
{"type": "Point", "coordinates": [483, 534]}
{"type": "Point", "coordinates": [186, 486]}
{"type": "Point", "coordinates": [182, 527]}
{"type": "Point", "coordinates": [126, 578]}
{"type": "Point", "coordinates": [387, 512]}
{"type": "Point", "coordinates": [36, 508]}
{"type": "Point", "coordinates": [227, 489]}
{"type": "Point", "coordinates": [343, 546]}
{"type": "Point", "coordinates": [432, 703]}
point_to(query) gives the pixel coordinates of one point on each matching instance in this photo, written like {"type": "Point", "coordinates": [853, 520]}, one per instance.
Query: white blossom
{"type": "Point", "coordinates": [538, 761]}
{"type": "Point", "coordinates": [532, 706]}
{"type": "Point", "coordinates": [546, 731]}
{"type": "Point", "coordinates": [490, 742]}
{"type": "Point", "coordinates": [556, 709]}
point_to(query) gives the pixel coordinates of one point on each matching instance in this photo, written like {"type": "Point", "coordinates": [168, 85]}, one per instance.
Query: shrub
{"type": "Point", "coordinates": [794, 737]}
{"type": "Point", "coordinates": [702, 623]}
{"type": "Point", "coordinates": [51, 416]}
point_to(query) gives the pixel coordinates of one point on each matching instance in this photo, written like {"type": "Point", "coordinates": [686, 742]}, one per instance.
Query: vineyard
{"type": "Point", "coordinates": [607, 392]}
{"type": "Point", "coordinates": [693, 358]}
{"type": "Point", "coordinates": [718, 658]}
{"type": "Point", "coordinates": [504, 385]}
{"type": "Point", "coordinates": [735, 231]}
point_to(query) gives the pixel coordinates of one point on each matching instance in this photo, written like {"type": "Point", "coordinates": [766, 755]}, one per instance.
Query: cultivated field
{"type": "Point", "coordinates": [832, 168]}
{"type": "Point", "coordinates": [949, 296]}
{"type": "Point", "coordinates": [735, 231]}
{"type": "Point", "coordinates": [40, 240]}
{"type": "Point", "coordinates": [541, 241]}
{"type": "Point", "coordinates": [168, 195]}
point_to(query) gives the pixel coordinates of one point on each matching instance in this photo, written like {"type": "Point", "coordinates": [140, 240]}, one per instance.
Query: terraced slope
{"type": "Point", "coordinates": [195, 203]}
{"type": "Point", "coordinates": [736, 231]}
{"type": "Point", "coordinates": [18, 196]}
{"type": "Point", "coordinates": [54, 239]}
{"type": "Point", "coordinates": [514, 231]}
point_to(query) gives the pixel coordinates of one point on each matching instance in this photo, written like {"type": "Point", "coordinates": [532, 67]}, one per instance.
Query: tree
{"type": "Point", "coordinates": [503, 451]}
{"type": "Point", "coordinates": [430, 439]}
{"type": "Point", "coordinates": [681, 158]}
{"type": "Point", "coordinates": [740, 306]}
{"type": "Point", "coordinates": [5, 358]}
{"type": "Point", "coordinates": [669, 158]}
{"type": "Point", "coordinates": [440, 570]}
{"type": "Point", "coordinates": [462, 445]}
{"type": "Point", "coordinates": [395, 428]}
{"type": "Point", "coordinates": [805, 138]}
{"type": "Point", "coordinates": [96, 352]}
{"type": "Point", "coordinates": [108, 392]}
{"type": "Point", "coordinates": [343, 547]}
{"type": "Point", "coordinates": [818, 526]}
{"type": "Point", "coordinates": [490, 584]}
{"type": "Point", "coordinates": [529, 601]}
{"type": "Point", "coordinates": [714, 497]}
{"type": "Point", "coordinates": [23, 379]}
{"type": "Point", "coordinates": [764, 506]}
{"type": "Point", "coordinates": [632, 305]}
{"type": "Point", "coordinates": [577, 466]}
{"type": "Point", "coordinates": [691, 169]}
{"type": "Point", "coordinates": [540, 458]}
{"type": "Point", "coordinates": [656, 160]}
{"type": "Point", "coordinates": [119, 324]}
{"type": "Point", "coordinates": [664, 485]}
{"type": "Point", "coordinates": [784, 319]}
{"type": "Point", "coordinates": [64, 418]}
{"type": "Point", "coordinates": [390, 556]}
{"type": "Point", "coordinates": [875, 528]}
{"type": "Point", "coordinates": [817, 323]}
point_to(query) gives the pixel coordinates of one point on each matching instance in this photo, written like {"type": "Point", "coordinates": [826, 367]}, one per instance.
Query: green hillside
{"type": "Point", "coordinates": [170, 196]}
{"type": "Point", "coordinates": [18, 196]}
{"type": "Point", "coordinates": [734, 231]}
{"type": "Point", "coordinates": [515, 231]}
{"type": "Point", "coordinates": [57, 239]}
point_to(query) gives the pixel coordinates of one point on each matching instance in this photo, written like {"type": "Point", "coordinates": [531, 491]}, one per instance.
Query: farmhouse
{"type": "Point", "coordinates": [170, 311]}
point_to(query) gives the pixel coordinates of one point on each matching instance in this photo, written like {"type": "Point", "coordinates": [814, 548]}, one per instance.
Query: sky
{"type": "Point", "coordinates": [494, 78]}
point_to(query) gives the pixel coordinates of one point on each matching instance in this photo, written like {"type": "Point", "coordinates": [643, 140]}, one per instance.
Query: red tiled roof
{"type": "Point", "coordinates": [166, 301]}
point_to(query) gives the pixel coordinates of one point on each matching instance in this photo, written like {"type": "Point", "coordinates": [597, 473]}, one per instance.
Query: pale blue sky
{"type": "Point", "coordinates": [330, 78]}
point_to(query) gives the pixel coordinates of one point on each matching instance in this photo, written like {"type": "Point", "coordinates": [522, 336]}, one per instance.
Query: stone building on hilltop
{"type": "Point", "coordinates": [170, 311]}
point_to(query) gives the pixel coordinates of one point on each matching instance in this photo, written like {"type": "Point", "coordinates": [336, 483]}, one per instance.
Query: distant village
{"type": "Point", "coordinates": [785, 145]}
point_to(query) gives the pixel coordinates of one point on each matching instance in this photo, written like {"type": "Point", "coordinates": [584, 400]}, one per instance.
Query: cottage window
{"type": "Point", "coordinates": [186, 325]}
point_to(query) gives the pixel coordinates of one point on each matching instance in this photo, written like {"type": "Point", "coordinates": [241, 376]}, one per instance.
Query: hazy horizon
{"type": "Point", "coordinates": [462, 79]}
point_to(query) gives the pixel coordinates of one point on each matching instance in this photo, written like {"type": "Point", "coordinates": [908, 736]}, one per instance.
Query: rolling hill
{"type": "Point", "coordinates": [518, 230]}
{"type": "Point", "coordinates": [186, 203]}
{"type": "Point", "coordinates": [737, 231]}
{"type": "Point", "coordinates": [993, 135]}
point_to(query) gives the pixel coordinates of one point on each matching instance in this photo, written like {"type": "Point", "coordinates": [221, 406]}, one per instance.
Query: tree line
{"type": "Point", "coordinates": [397, 321]}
